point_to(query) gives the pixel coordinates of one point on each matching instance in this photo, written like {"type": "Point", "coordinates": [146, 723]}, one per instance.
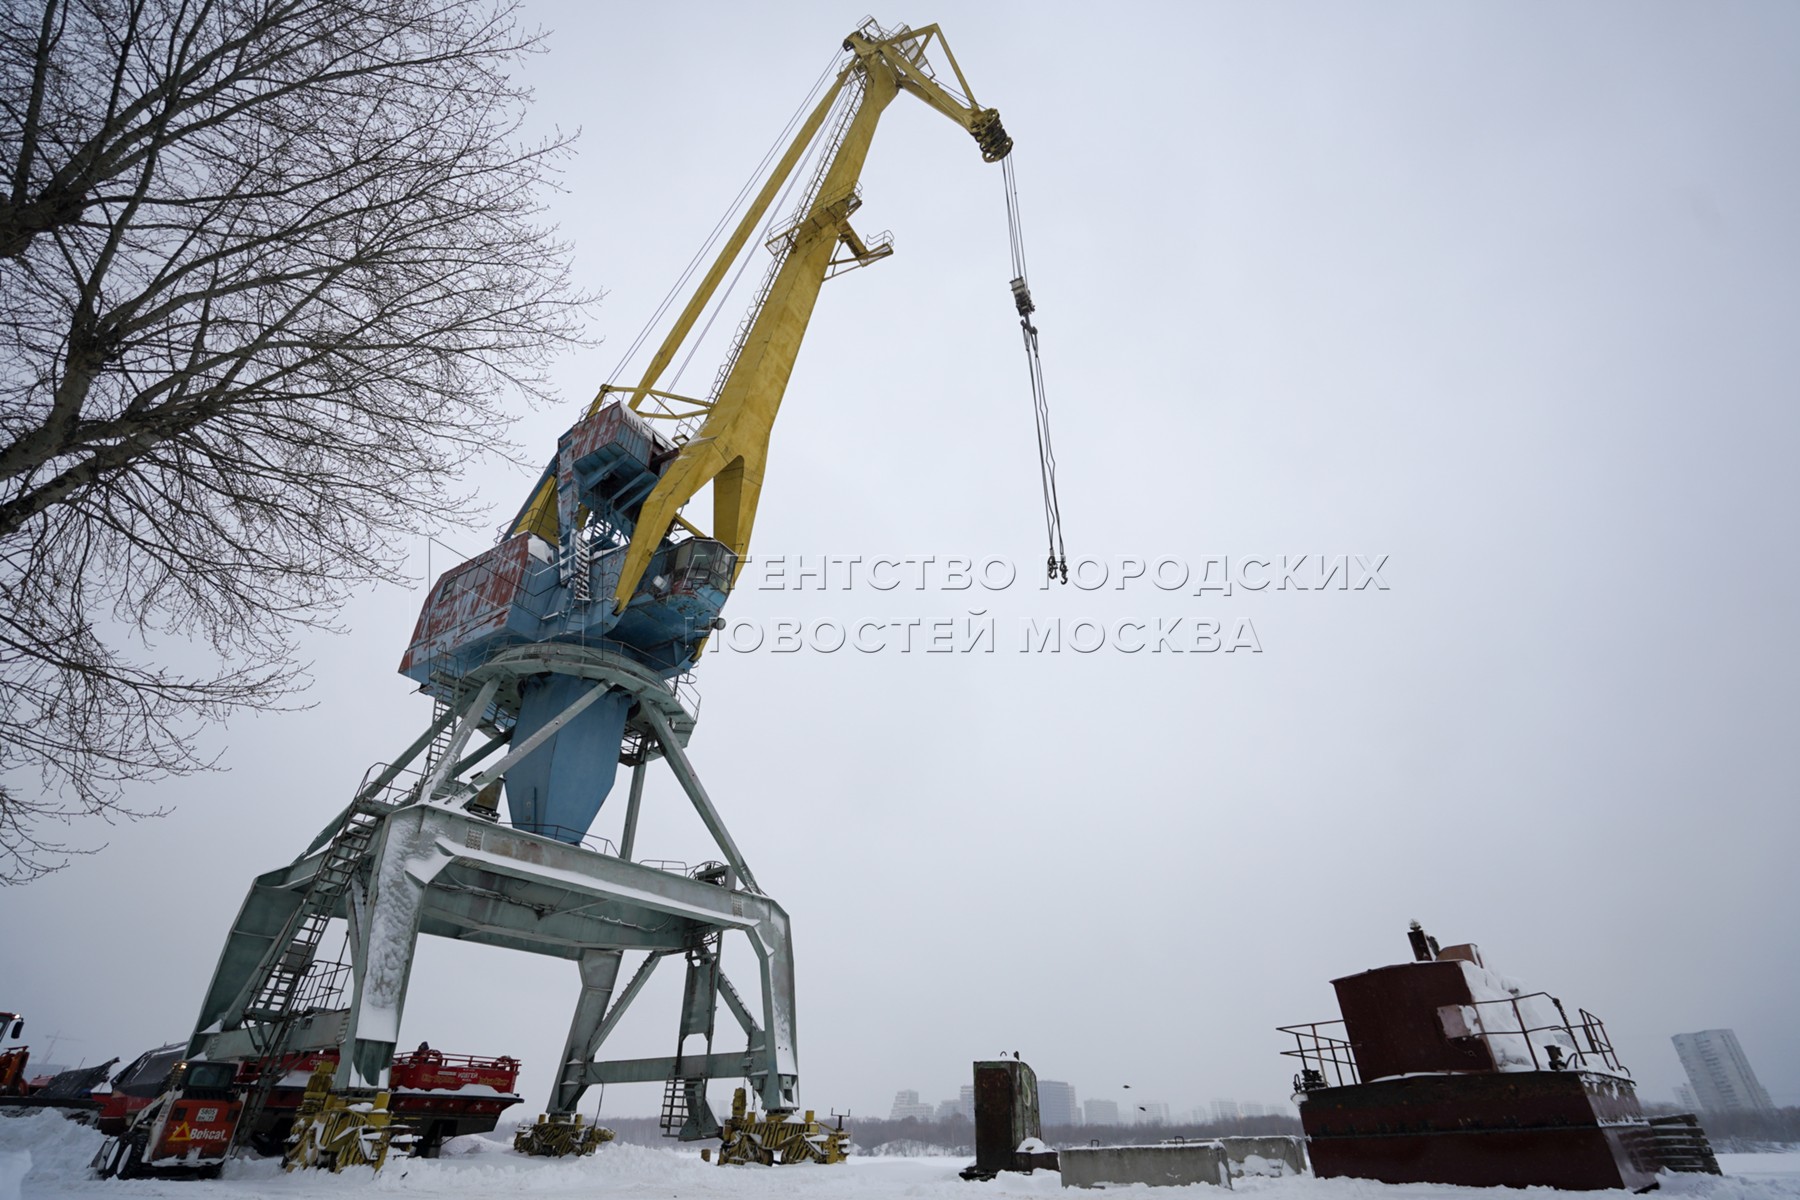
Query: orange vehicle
{"type": "Point", "coordinates": [12, 1070]}
{"type": "Point", "coordinates": [13, 1061]}
{"type": "Point", "coordinates": [186, 1130]}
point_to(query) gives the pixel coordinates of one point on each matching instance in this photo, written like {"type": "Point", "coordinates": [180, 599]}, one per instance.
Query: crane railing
{"type": "Point", "coordinates": [1325, 1060]}
{"type": "Point", "coordinates": [1501, 1025]}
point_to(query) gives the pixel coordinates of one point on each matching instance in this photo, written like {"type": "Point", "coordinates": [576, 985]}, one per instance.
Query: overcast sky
{"type": "Point", "coordinates": [1504, 293]}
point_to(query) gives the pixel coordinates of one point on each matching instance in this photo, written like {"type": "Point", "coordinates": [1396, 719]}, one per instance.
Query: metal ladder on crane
{"type": "Point", "coordinates": [274, 1003]}
{"type": "Point", "coordinates": [440, 745]}
{"type": "Point", "coordinates": [675, 1104]}
{"type": "Point", "coordinates": [684, 1109]}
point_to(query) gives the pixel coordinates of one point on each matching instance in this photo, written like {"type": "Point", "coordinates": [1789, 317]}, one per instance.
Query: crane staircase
{"type": "Point", "coordinates": [292, 983]}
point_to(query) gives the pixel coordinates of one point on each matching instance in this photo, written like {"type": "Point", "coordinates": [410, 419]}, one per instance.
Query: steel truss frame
{"type": "Point", "coordinates": [440, 864]}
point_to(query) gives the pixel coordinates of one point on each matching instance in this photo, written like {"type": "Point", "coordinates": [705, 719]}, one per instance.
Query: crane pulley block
{"type": "Point", "coordinates": [990, 135]}
{"type": "Point", "coordinates": [1022, 298]}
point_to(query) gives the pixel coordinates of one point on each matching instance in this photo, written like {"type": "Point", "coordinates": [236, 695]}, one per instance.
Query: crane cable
{"type": "Point", "coordinates": [1057, 562]}
{"type": "Point", "coordinates": [724, 218]}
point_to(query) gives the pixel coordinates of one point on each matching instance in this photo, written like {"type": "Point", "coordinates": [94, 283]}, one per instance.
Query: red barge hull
{"type": "Point", "coordinates": [1575, 1130]}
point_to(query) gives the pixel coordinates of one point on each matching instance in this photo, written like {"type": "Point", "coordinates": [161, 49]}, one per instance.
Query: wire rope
{"type": "Point", "coordinates": [712, 238]}
{"type": "Point", "coordinates": [1057, 559]}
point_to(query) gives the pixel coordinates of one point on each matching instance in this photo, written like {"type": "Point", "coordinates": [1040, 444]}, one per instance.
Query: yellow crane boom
{"type": "Point", "coordinates": [730, 448]}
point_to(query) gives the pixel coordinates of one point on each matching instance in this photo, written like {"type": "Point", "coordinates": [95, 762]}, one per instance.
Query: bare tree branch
{"type": "Point", "coordinates": [272, 271]}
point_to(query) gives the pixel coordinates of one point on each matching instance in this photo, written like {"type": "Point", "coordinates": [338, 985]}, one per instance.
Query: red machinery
{"type": "Point", "coordinates": [135, 1087]}
{"type": "Point", "coordinates": [426, 1069]}
{"type": "Point", "coordinates": [13, 1061]}
{"type": "Point", "coordinates": [185, 1130]}
{"type": "Point", "coordinates": [1448, 1073]}
{"type": "Point", "coordinates": [12, 1070]}
{"type": "Point", "coordinates": [437, 1095]}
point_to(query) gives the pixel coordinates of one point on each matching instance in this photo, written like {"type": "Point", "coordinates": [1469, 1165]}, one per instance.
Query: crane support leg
{"type": "Point", "coordinates": [634, 804]}
{"type": "Point", "coordinates": [383, 956]}
{"type": "Point", "coordinates": [578, 1058]}
{"type": "Point", "coordinates": [768, 1061]}
{"type": "Point", "coordinates": [465, 729]}
{"type": "Point", "coordinates": [690, 783]}
{"type": "Point", "coordinates": [599, 976]}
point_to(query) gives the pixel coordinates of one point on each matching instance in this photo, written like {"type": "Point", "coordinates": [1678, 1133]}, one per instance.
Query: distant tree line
{"type": "Point", "coordinates": [956, 1135]}
{"type": "Point", "coordinates": [1063, 1136]}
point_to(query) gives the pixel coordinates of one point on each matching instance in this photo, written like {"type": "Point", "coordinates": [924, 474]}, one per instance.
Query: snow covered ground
{"type": "Point", "coordinates": [42, 1155]}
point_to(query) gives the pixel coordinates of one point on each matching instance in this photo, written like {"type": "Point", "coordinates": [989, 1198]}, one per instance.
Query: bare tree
{"type": "Point", "coordinates": [270, 271]}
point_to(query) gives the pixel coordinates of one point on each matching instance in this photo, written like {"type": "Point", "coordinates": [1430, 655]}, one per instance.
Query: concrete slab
{"type": "Point", "coordinates": [1171, 1164]}
{"type": "Point", "coordinates": [1276, 1155]}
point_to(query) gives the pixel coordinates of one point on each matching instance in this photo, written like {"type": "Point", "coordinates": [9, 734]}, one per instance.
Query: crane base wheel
{"type": "Point", "coordinates": [335, 1130]}
{"type": "Point", "coordinates": [560, 1135]}
{"type": "Point", "coordinates": [777, 1139]}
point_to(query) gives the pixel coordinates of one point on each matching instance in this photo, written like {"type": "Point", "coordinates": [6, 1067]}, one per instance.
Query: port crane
{"type": "Point", "coordinates": [562, 653]}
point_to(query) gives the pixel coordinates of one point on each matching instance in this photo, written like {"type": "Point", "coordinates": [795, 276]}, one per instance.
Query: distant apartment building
{"type": "Point", "coordinates": [1226, 1111]}
{"type": "Point", "coordinates": [1101, 1112]}
{"type": "Point", "coordinates": [1056, 1103]}
{"type": "Point", "coordinates": [906, 1104]}
{"type": "Point", "coordinates": [1718, 1072]}
{"type": "Point", "coordinates": [1153, 1113]}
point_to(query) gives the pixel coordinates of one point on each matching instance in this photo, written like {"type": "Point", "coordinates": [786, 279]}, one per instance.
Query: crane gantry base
{"type": "Point", "coordinates": [438, 862]}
